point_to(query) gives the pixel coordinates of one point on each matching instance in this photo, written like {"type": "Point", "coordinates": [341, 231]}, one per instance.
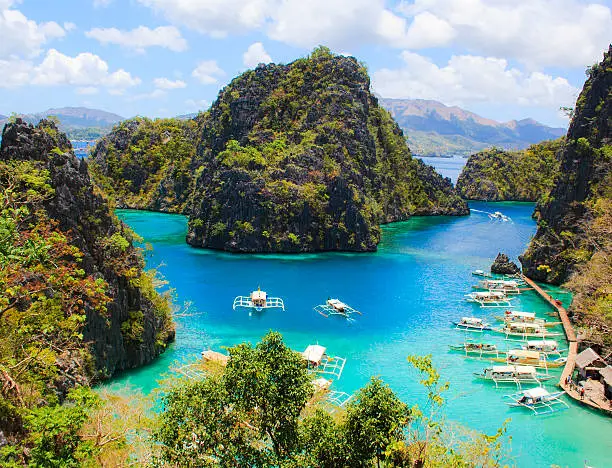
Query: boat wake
{"type": "Point", "coordinates": [496, 216]}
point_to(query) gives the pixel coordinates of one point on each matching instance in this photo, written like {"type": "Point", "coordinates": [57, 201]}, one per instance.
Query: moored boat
{"type": "Point", "coordinates": [336, 307]}
{"type": "Point", "coordinates": [539, 400]}
{"type": "Point", "coordinates": [543, 346]}
{"type": "Point", "coordinates": [512, 374]}
{"type": "Point", "coordinates": [477, 349]}
{"type": "Point", "coordinates": [489, 298]}
{"type": "Point", "coordinates": [525, 330]}
{"type": "Point", "coordinates": [506, 286]}
{"type": "Point", "coordinates": [258, 300]}
{"type": "Point", "coordinates": [482, 273]}
{"type": "Point", "coordinates": [472, 324]}
{"type": "Point", "coordinates": [511, 316]}
{"type": "Point", "coordinates": [529, 358]}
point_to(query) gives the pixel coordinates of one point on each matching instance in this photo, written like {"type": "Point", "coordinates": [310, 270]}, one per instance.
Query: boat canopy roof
{"type": "Point", "coordinates": [517, 369]}
{"type": "Point", "coordinates": [258, 295]}
{"type": "Point", "coordinates": [472, 320]}
{"type": "Point", "coordinates": [524, 353]}
{"type": "Point", "coordinates": [541, 343]}
{"type": "Point", "coordinates": [524, 326]}
{"type": "Point", "coordinates": [489, 294]}
{"type": "Point", "coordinates": [314, 353]}
{"type": "Point", "coordinates": [537, 392]}
{"type": "Point", "coordinates": [503, 282]}
{"type": "Point", "coordinates": [336, 303]}
{"type": "Point", "coordinates": [514, 313]}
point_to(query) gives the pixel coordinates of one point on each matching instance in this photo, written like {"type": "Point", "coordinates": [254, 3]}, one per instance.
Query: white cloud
{"type": "Point", "coordinates": [84, 70]}
{"type": "Point", "coordinates": [68, 26]}
{"type": "Point", "coordinates": [471, 79]}
{"type": "Point", "coordinates": [87, 90]}
{"type": "Point", "coordinates": [216, 18]}
{"type": "Point", "coordinates": [23, 37]}
{"type": "Point", "coordinates": [155, 94]}
{"type": "Point", "coordinates": [193, 105]}
{"type": "Point", "coordinates": [165, 83]}
{"type": "Point", "coordinates": [538, 33]}
{"type": "Point", "coordinates": [255, 54]}
{"type": "Point", "coordinates": [140, 38]}
{"type": "Point", "coordinates": [14, 72]}
{"type": "Point", "coordinates": [208, 72]}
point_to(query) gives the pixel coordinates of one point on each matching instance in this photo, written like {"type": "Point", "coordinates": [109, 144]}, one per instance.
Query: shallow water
{"type": "Point", "coordinates": [409, 292]}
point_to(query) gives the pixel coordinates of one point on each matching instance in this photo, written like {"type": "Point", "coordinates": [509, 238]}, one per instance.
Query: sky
{"type": "Point", "coordinates": [503, 59]}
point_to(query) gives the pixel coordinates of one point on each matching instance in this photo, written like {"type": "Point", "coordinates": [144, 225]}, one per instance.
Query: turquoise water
{"type": "Point", "coordinates": [409, 292]}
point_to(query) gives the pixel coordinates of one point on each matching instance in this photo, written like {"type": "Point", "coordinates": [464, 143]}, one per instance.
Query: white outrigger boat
{"type": "Point", "coordinates": [336, 307]}
{"type": "Point", "coordinates": [482, 273]}
{"type": "Point", "coordinates": [530, 358]}
{"type": "Point", "coordinates": [525, 330]}
{"type": "Point", "coordinates": [538, 400]}
{"type": "Point", "coordinates": [513, 316]}
{"type": "Point", "coordinates": [489, 299]}
{"type": "Point", "coordinates": [472, 324]}
{"type": "Point", "coordinates": [512, 374]}
{"type": "Point", "coordinates": [498, 215]}
{"type": "Point", "coordinates": [318, 362]}
{"type": "Point", "coordinates": [544, 346]}
{"type": "Point", "coordinates": [505, 286]}
{"type": "Point", "coordinates": [258, 300]}
{"type": "Point", "coordinates": [477, 349]}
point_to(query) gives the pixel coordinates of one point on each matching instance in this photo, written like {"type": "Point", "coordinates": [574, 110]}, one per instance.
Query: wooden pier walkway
{"type": "Point", "coordinates": [570, 364]}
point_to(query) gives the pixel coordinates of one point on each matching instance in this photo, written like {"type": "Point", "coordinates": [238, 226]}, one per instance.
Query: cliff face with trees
{"type": "Point", "coordinates": [574, 237]}
{"type": "Point", "coordinates": [147, 164]}
{"type": "Point", "coordinates": [300, 157]}
{"type": "Point", "coordinates": [75, 302]}
{"type": "Point", "coordinates": [500, 175]}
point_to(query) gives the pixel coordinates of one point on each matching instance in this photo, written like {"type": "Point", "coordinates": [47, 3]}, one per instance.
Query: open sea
{"type": "Point", "coordinates": [409, 292]}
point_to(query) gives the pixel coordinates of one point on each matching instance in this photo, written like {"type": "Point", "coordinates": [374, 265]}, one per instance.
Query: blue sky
{"type": "Point", "coordinates": [504, 59]}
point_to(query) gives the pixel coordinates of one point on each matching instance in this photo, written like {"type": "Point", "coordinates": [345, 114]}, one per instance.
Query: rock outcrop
{"type": "Point", "coordinates": [134, 329]}
{"type": "Point", "coordinates": [148, 164]}
{"type": "Point", "coordinates": [301, 158]}
{"type": "Point", "coordinates": [503, 266]}
{"type": "Point", "coordinates": [499, 175]}
{"type": "Point", "coordinates": [566, 217]}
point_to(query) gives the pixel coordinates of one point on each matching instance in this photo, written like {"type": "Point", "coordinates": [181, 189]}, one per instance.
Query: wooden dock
{"type": "Point", "coordinates": [570, 364]}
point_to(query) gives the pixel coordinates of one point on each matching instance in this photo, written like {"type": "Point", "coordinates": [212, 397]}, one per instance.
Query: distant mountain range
{"type": "Point", "coordinates": [77, 122]}
{"type": "Point", "coordinates": [434, 129]}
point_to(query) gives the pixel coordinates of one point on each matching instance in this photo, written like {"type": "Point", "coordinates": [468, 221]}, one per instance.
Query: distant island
{"type": "Point", "coordinates": [436, 130]}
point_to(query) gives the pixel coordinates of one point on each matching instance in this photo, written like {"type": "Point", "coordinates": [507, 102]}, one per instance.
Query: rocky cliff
{"type": "Point", "coordinates": [301, 158]}
{"type": "Point", "coordinates": [574, 236]}
{"type": "Point", "coordinates": [133, 324]}
{"type": "Point", "coordinates": [147, 164]}
{"type": "Point", "coordinates": [499, 175]}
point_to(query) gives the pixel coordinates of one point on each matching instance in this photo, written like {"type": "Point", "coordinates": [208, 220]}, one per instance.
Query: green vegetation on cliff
{"type": "Point", "coordinates": [499, 175]}
{"type": "Point", "coordinates": [574, 241]}
{"type": "Point", "coordinates": [147, 164]}
{"type": "Point", "coordinates": [300, 157]}
{"type": "Point", "coordinates": [70, 279]}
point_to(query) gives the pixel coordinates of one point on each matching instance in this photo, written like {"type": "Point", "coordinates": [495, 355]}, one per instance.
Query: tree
{"type": "Point", "coordinates": [374, 420]}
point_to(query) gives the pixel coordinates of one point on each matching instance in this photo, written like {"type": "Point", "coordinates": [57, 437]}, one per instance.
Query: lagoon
{"type": "Point", "coordinates": [409, 292]}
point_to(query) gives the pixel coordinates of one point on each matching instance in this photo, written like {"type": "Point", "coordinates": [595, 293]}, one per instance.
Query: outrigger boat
{"type": "Point", "coordinates": [477, 349]}
{"type": "Point", "coordinates": [318, 362]}
{"type": "Point", "coordinates": [490, 299]}
{"type": "Point", "coordinates": [512, 374]}
{"type": "Point", "coordinates": [258, 300]}
{"type": "Point", "coordinates": [482, 273]}
{"type": "Point", "coordinates": [505, 286]}
{"type": "Point", "coordinates": [525, 330]}
{"type": "Point", "coordinates": [512, 316]}
{"type": "Point", "coordinates": [336, 307]}
{"type": "Point", "coordinates": [538, 400]}
{"type": "Point", "coordinates": [472, 324]}
{"type": "Point", "coordinates": [499, 215]}
{"type": "Point", "coordinates": [544, 347]}
{"type": "Point", "coordinates": [530, 358]}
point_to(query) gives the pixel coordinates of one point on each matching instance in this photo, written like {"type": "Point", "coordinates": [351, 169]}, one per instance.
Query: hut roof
{"type": "Point", "coordinates": [588, 357]}
{"type": "Point", "coordinates": [606, 373]}
{"type": "Point", "coordinates": [215, 356]}
{"type": "Point", "coordinates": [314, 353]}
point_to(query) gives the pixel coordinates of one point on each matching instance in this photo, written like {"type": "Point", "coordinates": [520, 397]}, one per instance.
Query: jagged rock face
{"type": "Point", "coordinates": [499, 175]}
{"type": "Point", "coordinates": [585, 163]}
{"type": "Point", "coordinates": [300, 158]}
{"type": "Point", "coordinates": [503, 266]}
{"type": "Point", "coordinates": [147, 164]}
{"type": "Point", "coordinates": [87, 219]}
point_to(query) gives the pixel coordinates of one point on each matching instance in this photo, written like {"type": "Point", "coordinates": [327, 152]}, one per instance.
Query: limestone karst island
{"type": "Point", "coordinates": [342, 234]}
